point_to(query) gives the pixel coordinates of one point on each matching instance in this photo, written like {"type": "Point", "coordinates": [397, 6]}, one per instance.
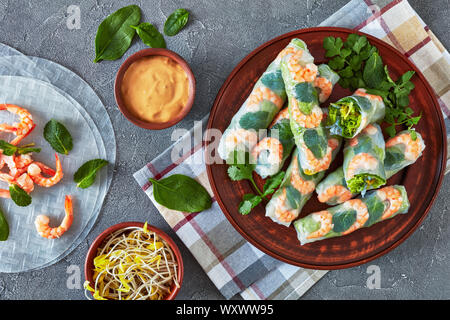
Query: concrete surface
{"type": "Point", "coordinates": [218, 36]}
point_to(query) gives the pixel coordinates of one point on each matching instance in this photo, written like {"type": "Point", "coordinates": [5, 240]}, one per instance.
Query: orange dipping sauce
{"type": "Point", "coordinates": [155, 89]}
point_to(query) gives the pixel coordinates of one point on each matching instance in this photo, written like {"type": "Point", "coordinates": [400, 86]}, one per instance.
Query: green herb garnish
{"type": "Point", "coordinates": [4, 227]}
{"type": "Point", "coordinates": [85, 175]}
{"type": "Point", "coordinates": [58, 136]}
{"type": "Point", "coordinates": [176, 21]}
{"type": "Point", "coordinates": [19, 196]}
{"type": "Point", "coordinates": [181, 193]}
{"type": "Point", "coordinates": [114, 34]}
{"type": "Point", "coordinates": [150, 35]}
{"type": "Point", "coordinates": [9, 149]}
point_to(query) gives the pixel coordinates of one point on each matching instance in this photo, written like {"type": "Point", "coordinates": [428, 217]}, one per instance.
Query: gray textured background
{"type": "Point", "coordinates": [218, 36]}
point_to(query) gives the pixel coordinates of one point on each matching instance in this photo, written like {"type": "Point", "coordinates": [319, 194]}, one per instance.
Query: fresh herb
{"type": "Point", "coordinates": [114, 34]}
{"type": "Point", "coordinates": [4, 227]}
{"type": "Point", "coordinates": [9, 149]}
{"type": "Point", "coordinates": [150, 35]}
{"type": "Point", "coordinates": [19, 196]}
{"type": "Point", "coordinates": [249, 201]}
{"type": "Point", "coordinates": [58, 136]}
{"type": "Point", "coordinates": [343, 220]}
{"type": "Point", "coordinates": [85, 175]}
{"type": "Point", "coordinates": [176, 21]}
{"type": "Point", "coordinates": [360, 66]}
{"type": "Point", "coordinates": [181, 193]}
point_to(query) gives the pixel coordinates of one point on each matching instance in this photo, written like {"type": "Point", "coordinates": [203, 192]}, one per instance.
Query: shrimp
{"type": "Point", "coordinates": [361, 161]}
{"type": "Point", "coordinates": [34, 172]}
{"type": "Point", "coordinates": [323, 163]}
{"type": "Point", "coordinates": [413, 148]}
{"type": "Point", "coordinates": [282, 213]}
{"type": "Point", "coordinates": [274, 148]}
{"type": "Point", "coordinates": [23, 181]}
{"type": "Point", "coordinates": [289, 50]}
{"type": "Point", "coordinates": [42, 222]}
{"type": "Point", "coordinates": [353, 142]}
{"type": "Point", "coordinates": [260, 94]}
{"type": "Point", "coordinates": [283, 114]}
{"type": "Point", "coordinates": [303, 186]}
{"type": "Point", "coordinates": [4, 193]}
{"type": "Point", "coordinates": [370, 130]}
{"type": "Point", "coordinates": [239, 137]}
{"type": "Point", "coordinates": [325, 218]}
{"type": "Point", "coordinates": [338, 192]}
{"type": "Point", "coordinates": [308, 73]}
{"type": "Point", "coordinates": [325, 87]}
{"type": "Point", "coordinates": [393, 199]}
{"type": "Point", "coordinates": [362, 214]}
{"type": "Point", "coordinates": [362, 93]}
{"type": "Point", "coordinates": [20, 129]}
{"type": "Point", "coordinates": [312, 120]}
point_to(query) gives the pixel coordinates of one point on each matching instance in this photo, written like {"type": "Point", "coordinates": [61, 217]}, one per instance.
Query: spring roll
{"type": "Point", "coordinates": [350, 115]}
{"type": "Point", "coordinates": [271, 152]}
{"type": "Point", "coordinates": [257, 112]}
{"type": "Point", "coordinates": [401, 151]}
{"type": "Point", "coordinates": [295, 190]}
{"type": "Point", "coordinates": [325, 81]}
{"type": "Point", "coordinates": [364, 160]}
{"type": "Point", "coordinates": [376, 206]}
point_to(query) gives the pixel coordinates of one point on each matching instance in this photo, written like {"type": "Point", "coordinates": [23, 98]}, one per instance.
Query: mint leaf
{"type": "Point", "coordinates": [85, 175]}
{"type": "Point", "coordinates": [19, 196]}
{"type": "Point", "coordinates": [58, 137]}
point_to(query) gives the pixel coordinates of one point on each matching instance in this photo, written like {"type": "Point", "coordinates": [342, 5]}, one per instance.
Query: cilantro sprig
{"type": "Point", "coordinates": [242, 169]}
{"type": "Point", "coordinates": [360, 66]}
{"type": "Point", "coordinates": [9, 149]}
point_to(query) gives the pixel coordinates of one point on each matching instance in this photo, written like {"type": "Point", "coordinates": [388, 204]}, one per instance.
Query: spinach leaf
{"type": "Point", "coordinates": [4, 227]}
{"type": "Point", "coordinates": [255, 120]}
{"type": "Point", "coordinates": [181, 193]}
{"type": "Point", "coordinates": [343, 220]}
{"type": "Point", "coordinates": [150, 35]}
{"type": "Point", "coordinates": [249, 201]}
{"type": "Point", "coordinates": [373, 73]}
{"type": "Point", "coordinates": [176, 21]}
{"type": "Point", "coordinates": [58, 136]}
{"type": "Point", "coordinates": [9, 149]}
{"type": "Point", "coordinates": [85, 175]}
{"type": "Point", "coordinates": [19, 196]}
{"type": "Point", "coordinates": [114, 34]}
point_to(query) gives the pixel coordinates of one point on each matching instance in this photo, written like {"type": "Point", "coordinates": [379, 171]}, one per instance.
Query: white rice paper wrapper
{"type": "Point", "coordinates": [94, 121]}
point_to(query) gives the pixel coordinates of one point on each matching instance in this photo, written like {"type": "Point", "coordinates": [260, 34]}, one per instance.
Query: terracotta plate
{"type": "Point", "coordinates": [422, 180]}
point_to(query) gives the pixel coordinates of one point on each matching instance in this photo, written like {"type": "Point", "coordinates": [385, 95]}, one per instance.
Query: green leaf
{"type": "Point", "coordinates": [58, 137]}
{"type": "Point", "coordinates": [255, 120]}
{"type": "Point", "coordinates": [274, 81]}
{"type": "Point", "coordinates": [9, 149]}
{"type": "Point", "coordinates": [114, 34]}
{"type": "Point", "coordinates": [373, 73]}
{"type": "Point", "coordinates": [315, 142]}
{"type": "Point", "coordinates": [336, 63]}
{"type": "Point", "coordinates": [19, 196]}
{"type": "Point", "coordinates": [375, 208]}
{"type": "Point", "coordinates": [413, 134]}
{"type": "Point", "coordinates": [403, 100]}
{"type": "Point", "coordinates": [293, 196]}
{"type": "Point", "coordinates": [305, 92]}
{"type": "Point", "coordinates": [248, 203]}
{"type": "Point", "coordinates": [332, 46]}
{"type": "Point", "coordinates": [345, 52]}
{"type": "Point", "coordinates": [176, 21]}
{"type": "Point", "coordinates": [343, 220]}
{"type": "Point", "coordinates": [391, 131]}
{"type": "Point", "coordinates": [355, 63]}
{"type": "Point", "coordinates": [272, 183]}
{"type": "Point", "coordinates": [347, 72]}
{"type": "Point", "coordinates": [149, 35]}
{"type": "Point", "coordinates": [241, 172]}
{"type": "Point", "coordinates": [359, 44]}
{"type": "Point", "coordinates": [85, 175]}
{"type": "Point", "coordinates": [4, 227]}
{"type": "Point", "coordinates": [181, 193]}
{"type": "Point", "coordinates": [406, 77]}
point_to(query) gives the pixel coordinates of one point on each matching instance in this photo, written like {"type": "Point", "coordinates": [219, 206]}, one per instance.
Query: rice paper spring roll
{"type": "Point", "coordinates": [377, 205]}
{"type": "Point", "coordinates": [271, 152]}
{"type": "Point", "coordinates": [295, 190]}
{"type": "Point", "coordinates": [364, 160]}
{"type": "Point", "coordinates": [325, 81]}
{"type": "Point", "coordinates": [401, 151]}
{"type": "Point", "coordinates": [257, 112]}
{"type": "Point", "coordinates": [350, 115]}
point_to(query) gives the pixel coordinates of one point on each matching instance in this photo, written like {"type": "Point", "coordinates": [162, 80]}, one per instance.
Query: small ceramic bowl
{"type": "Point", "coordinates": [92, 253]}
{"type": "Point", "coordinates": [146, 53]}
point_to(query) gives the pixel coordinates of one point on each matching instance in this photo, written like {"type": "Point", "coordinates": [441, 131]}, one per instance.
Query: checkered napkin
{"type": "Point", "coordinates": [234, 265]}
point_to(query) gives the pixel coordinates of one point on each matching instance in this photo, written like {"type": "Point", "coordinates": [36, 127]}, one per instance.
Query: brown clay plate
{"type": "Point", "coordinates": [422, 180]}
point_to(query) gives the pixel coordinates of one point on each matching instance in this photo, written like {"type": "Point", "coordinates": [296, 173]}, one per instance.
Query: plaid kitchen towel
{"type": "Point", "coordinates": [234, 265]}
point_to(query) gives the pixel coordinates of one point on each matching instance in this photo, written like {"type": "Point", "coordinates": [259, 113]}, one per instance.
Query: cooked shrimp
{"type": "Point", "coordinates": [325, 87]}
{"type": "Point", "coordinates": [393, 200]}
{"type": "Point", "coordinates": [42, 222]}
{"type": "Point", "coordinates": [353, 142]}
{"type": "Point", "coordinates": [282, 213]}
{"type": "Point", "coordinates": [237, 137]}
{"type": "Point", "coordinates": [362, 214]}
{"type": "Point", "coordinates": [325, 218]}
{"type": "Point", "coordinates": [283, 114]}
{"type": "Point", "coordinates": [307, 73]}
{"type": "Point", "coordinates": [339, 192]}
{"type": "Point", "coordinates": [361, 161]}
{"type": "Point", "coordinates": [4, 193]}
{"type": "Point", "coordinates": [274, 148]}
{"type": "Point", "coordinates": [20, 129]}
{"type": "Point", "coordinates": [24, 181]}
{"type": "Point", "coordinates": [362, 93]}
{"type": "Point", "coordinates": [303, 186]}
{"type": "Point", "coordinates": [413, 148]}
{"type": "Point", "coordinates": [370, 130]}
{"type": "Point", "coordinates": [34, 172]}
{"type": "Point", "coordinates": [312, 120]}
{"type": "Point", "coordinates": [323, 163]}
{"type": "Point", "coordinates": [289, 50]}
{"type": "Point", "coordinates": [260, 94]}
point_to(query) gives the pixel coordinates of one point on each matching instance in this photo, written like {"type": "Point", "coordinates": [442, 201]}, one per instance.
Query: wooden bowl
{"type": "Point", "coordinates": [146, 53]}
{"type": "Point", "coordinates": [92, 253]}
{"type": "Point", "coordinates": [422, 180]}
